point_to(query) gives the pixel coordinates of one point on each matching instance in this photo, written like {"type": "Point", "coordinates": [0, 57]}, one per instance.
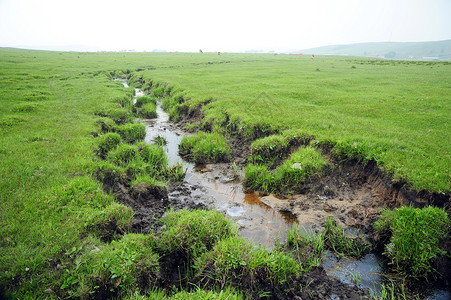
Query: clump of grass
{"type": "Point", "coordinates": [106, 125]}
{"type": "Point", "coordinates": [303, 164]}
{"type": "Point", "coordinates": [392, 291]}
{"type": "Point", "coordinates": [123, 155]}
{"type": "Point", "coordinates": [146, 107]}
{"type": "Point", "coordinates": [269, 149]}
{"type": "Point", "coordinates": [35, 96]}
{"type": "Point", "coordinates": [306, 246]}
{"type": "Point", "coordinates": [272, 149]}
{"type": "Point", "coordinates": [108, 173]}
{"type": "Point", "coordinates": [11, 120]}
{"type": "Point", "coordinates": [138, 160]}
{"type": "Point", "coordinates": [118, 115]}
{"type": "Point", "coordinates": [126, 100]}
{"type": "Point", "coordinates": [159, 141]}
{"type": "Point", "coordinates": [176, 173]}
{"type": "Point", "coordinates": [178, 111]}
{"type": "Point", "coordinates": [175, 106]}
{"type": "Point", "coordinates": [415, 236]}
{"type": "Point", "coordinates": [336, 240]}
{"type": "Point", "coordinates": [144, 100]}
{"type": "Point", "coordinates": [25, 107]}
{"type": "Point", "coordinates": [132, 132]}
{"type": "Point", "coordinates": [115, 269]}
{"type": "Point", "coordinates": [205, 148]}
{"type": "Point", "coordinates": [258, 177]}
{"type": "Point", "coordinates": [221, 294]}
{"type": "Point", "coordinates": [227, 293]}
{"type": "Point", "coordinates": [152, 155]}
{"type": "Point", "coordinates": [146, 187]}
{"type": "Point", "coordinates": [351, 149]}
{"type": "Point", "coordinates": [235, 259]}
{"type": "Point", "coordinates": [107, 142]}
{"type": "Point", "coordinates": [158, 91]}
{"type": "Point", "coordinates": [111, 222]}
{"type": "Point", "coordinates": [192, 233]}
{"type": "Point", "coordinates": [148, 111]}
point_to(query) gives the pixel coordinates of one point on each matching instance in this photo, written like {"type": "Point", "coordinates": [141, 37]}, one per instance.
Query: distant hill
{"type": "Point", "coordinates": [440, 50]}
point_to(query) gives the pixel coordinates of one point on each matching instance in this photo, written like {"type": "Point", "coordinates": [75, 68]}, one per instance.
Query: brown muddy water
{"type": "Point", "coordinates": [264, 219]}
{"type": "Point", "coordinates": [218, 186]}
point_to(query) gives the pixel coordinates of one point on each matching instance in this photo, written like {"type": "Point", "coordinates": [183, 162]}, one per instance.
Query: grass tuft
{"type": "Point", "coordinates": [110, 223]}
{"type": "Point", "coordinates": [146, 107]}
{"type": "Point", "coordinates": [306, 246]}
{"type": "Point", "coordinates": [25, 107]}
{"type": "Point", "coordinates": [302, 165]}
{"type": "Point", "coordinates": [235, 260]}
{"type": "Point", "coordinates": [415, 236]}
{"type": "Point", "coordinates": [114, 270]}
{"type": "Point", "coordinates": [107, 142]}
{"type": "Point", "coordinates": [194, 232]}
{"type": "Point", "coordinates": [205, 148]}
{"type": "Point", "coordinates": [132, 132]}
{"type": "Point", "coordinates": [123, 155]}
{"type": "Point", "coordinates": [336, 240]}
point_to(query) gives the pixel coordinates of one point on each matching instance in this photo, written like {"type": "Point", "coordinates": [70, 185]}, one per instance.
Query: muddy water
{"type": "Point", "coordinates": [218, 186]}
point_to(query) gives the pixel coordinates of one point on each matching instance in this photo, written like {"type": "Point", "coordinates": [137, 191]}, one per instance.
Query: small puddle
{"type": "Point", "coordinates": [366, 272]}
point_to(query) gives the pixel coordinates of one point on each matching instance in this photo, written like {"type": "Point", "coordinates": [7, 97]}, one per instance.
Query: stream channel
{"type": "Point", "coordinates": [219, 186]}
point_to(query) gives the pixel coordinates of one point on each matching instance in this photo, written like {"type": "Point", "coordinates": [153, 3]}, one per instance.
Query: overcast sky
{"type": "Point", "coordinates": [228, 25]}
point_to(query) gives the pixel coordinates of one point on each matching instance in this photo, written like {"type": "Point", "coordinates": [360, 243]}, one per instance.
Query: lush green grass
{"type": "Point", "coordinates": [415, 236]}
{"type": "Point", "coordinates": [306, 246]}
{"type": "Point", "coordinates": [397, 113]}
{"type": "Point", "coordinates": [272, 149]}
{"type": "Point", "coordinates": [305, 163]}
{"type": "Point", "coordinates": [115, 270]}
{"type": "Point", "coordinates": [338, 241]}
{"type": "Point", "coordinates": [107, 142]}
{"type": "Point", "coordinates": [193, 233]}
{"type": "Point", "coordinates": [235, 260]}
{"type": "Point", "coordinates": [205, 148]}
{"type": "Point", "coordinates": [146, 107]}
{"type": "Point", "coordinates": [48, 198]}
{"type": "Point", "coordinates": [132, 132]}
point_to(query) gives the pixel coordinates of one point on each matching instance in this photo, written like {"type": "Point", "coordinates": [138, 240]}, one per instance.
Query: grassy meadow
{"type": "Point", "coordinates": [395, 112]}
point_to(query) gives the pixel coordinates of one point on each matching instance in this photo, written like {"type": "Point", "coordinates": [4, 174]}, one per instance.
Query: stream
{"type": "Point", "coordinates": [218, 186]}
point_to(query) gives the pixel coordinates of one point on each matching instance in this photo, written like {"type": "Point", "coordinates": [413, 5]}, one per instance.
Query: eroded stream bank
{"type": "Point", "coordinates": [352, 194]}
{"type": "Point", "coordinates": [219, 187]}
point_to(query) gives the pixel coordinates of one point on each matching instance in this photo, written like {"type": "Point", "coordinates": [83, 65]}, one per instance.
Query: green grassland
{"type": "Point", "coordinates": [394, 112]}
{"type": "Point", "coordinates": [53, 104]}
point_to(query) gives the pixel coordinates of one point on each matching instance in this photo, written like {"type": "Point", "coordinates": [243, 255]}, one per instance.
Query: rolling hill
{"type": "Point", "coordinates": [439, 50]}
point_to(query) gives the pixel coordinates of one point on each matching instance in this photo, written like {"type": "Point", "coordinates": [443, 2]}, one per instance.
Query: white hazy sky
{"type": "Point", "coordinates": [228, 25]}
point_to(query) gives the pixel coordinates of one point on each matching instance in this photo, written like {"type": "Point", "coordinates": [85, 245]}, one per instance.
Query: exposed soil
{"type": "Point", "coordinates": [311, 285]}
{"type": "Point", "coordinates": [149, 204]}
{"type": "Point", "coordinates": [352, 194]}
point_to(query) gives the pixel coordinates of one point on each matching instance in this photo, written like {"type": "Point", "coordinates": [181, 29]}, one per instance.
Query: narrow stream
{"type": "Point", "coordinates": [219, 187]}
